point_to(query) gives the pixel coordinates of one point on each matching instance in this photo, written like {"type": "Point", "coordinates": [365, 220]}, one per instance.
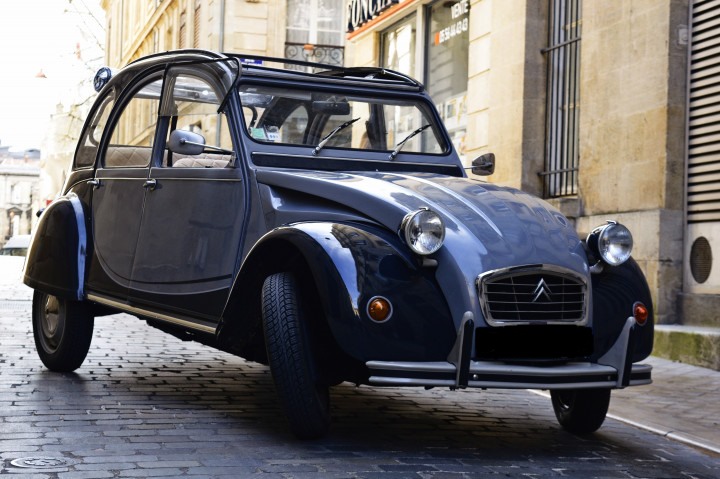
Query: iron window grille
{"type": "Point", "coordinates": [560, 176]}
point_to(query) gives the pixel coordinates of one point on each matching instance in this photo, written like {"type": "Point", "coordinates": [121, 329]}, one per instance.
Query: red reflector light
{"type": "Point", "coordinates": [641, 313]}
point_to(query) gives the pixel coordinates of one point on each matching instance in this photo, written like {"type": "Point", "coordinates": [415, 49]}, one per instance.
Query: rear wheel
{"type": "Point", "coordinates": [62, 330]}
{"type": "Point", "coordinates": [581, 411]}
{"type": "Point", "coordinates": [304, 398]}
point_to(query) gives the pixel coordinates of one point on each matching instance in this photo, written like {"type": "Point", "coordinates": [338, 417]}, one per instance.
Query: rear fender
{"type": "Point", "coordinates": [56, 258]}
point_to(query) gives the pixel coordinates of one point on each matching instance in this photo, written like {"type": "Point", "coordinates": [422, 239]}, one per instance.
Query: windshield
{"type": "Point", "coordinates": [339, 120]}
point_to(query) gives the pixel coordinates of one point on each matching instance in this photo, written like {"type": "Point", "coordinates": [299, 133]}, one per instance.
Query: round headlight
{"type": "Point", "coordinates": [614, 243]}
{"type": "Point", "coordinates": [423, 230]}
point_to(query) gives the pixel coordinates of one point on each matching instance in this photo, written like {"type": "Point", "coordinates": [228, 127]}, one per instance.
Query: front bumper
{"type": "Point", "coordinates": [487, 374]}
{"type": "Point", "coordinates": [613, 370]}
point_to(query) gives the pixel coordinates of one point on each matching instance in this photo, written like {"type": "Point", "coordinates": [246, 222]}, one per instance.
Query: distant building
{"type": "Point", "coordinates": [300, 29]}
{"type": "Point", "coordinates": [75, 95]}
{"type": "Point", "coordinates": [19, 186]}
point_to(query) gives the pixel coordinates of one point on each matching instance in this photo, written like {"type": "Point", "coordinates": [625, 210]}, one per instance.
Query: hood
{"type": "Point", "coordinates": [488, 226]}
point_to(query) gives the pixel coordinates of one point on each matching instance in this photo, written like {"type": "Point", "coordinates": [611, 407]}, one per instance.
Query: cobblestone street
{"type": "Point", "coordinates": [145, 404]}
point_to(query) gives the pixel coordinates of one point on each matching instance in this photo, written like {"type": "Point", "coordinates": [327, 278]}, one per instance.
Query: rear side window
{"type": "Point", "coordinates": [133, 133]}
{"type": "Point", "coordinates": [88, 145]}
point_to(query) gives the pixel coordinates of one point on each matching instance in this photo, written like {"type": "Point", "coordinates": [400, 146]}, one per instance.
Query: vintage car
{"type": "Point", "coordinates": [318, 219]}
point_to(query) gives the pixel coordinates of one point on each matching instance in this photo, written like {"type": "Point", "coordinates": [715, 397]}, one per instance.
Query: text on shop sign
{"type": "Point", "coordinates": [459, 15]}
{"type": "Point", "coordinates": [362, 11]}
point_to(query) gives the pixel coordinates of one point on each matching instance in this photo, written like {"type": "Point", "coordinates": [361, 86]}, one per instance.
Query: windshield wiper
{"type": "Point", "coordinates": [327, 137]}
{"type": "Point", "coordinates": [399, 146]}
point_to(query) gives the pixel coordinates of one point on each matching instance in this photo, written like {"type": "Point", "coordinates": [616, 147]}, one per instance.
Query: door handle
{"type": "Point", "coordinates": [151, 184]}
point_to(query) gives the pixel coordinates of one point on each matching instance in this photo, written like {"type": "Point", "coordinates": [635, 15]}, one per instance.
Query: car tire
{"type": "Point", "coordinates": [62, 330]}
{"type": "Point", "coordinates": [303, 397]}
{"type": "Point", "coordinates": [580, 411]}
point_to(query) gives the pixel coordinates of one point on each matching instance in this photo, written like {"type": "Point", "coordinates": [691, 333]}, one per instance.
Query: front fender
{"type": "Point", "coordinates": [349, 264]}
{"type": "Point", "coordinates": [55, 261]}
{"type": "Point", "coordinates": [615, 291]}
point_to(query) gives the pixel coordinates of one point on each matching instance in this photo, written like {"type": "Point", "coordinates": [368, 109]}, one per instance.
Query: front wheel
{"type": "Point", "coordinates": [62, 330]}
{"type": "Point", "coordinates": [304, 398]}
{"type": "Point", "coordinates": [581, 411]}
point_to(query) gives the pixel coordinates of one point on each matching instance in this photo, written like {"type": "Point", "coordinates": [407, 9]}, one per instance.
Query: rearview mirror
{"type": "Point", "coordinates": [484, 165]}
{"type": "Point", "coordinates": [331, 107]}
{"type": "Point", "coordinates": [186, 142]}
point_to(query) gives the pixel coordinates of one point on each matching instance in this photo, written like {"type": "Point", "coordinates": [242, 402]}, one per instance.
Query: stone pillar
{"type": "Point", "coordinates": [632, 130]}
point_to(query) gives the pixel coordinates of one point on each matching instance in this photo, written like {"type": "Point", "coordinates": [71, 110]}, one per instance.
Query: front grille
{"type": "Point", "coordinates": [533, 296]}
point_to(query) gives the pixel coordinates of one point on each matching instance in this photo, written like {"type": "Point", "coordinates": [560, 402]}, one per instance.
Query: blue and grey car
{"type": "Point", "coordinates": [318, 219]}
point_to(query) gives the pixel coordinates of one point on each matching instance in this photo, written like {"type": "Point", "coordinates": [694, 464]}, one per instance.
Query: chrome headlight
{"type": "Point", "coordinates": [423, 230]}
{"type": "Point", "coordinates": [611, 242]}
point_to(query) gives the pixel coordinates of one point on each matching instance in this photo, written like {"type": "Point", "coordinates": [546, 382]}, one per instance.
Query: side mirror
{"type": "Point", "coordinates": [484, 165]}
{"type": "Point", "coordinates": [186, 142]}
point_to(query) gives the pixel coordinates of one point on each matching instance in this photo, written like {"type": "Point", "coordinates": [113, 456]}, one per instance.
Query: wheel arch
{"type": "Point", "coordinates": [289, 249]}
{"type": "Point", "coordinates": [56, 259]}
{"type": "Point", "coordinates": [615, 290]}
{"type": "Point", "coordinates": [342, 266]}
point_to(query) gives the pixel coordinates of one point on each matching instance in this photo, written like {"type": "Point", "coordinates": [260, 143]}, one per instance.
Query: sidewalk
{"type": "Point", "coordinates": [683, 403]}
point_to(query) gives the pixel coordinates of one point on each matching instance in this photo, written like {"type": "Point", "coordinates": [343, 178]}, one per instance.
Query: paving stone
{"type": "Point", "coordinates": [145, 404]}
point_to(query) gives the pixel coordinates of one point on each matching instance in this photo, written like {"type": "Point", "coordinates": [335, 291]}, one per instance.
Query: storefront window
{"type": "Point", "coordinates": [398, 47]}
{"type": "Point", "coordinates": [447, 65]}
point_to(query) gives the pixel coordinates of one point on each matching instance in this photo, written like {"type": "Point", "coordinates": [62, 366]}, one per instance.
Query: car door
{"type": "Point", "coordinates": [119, 188]}
{"type": "Point", "coordinates": [191, 229]}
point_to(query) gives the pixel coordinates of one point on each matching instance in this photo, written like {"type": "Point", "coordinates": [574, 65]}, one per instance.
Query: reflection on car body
{"type": "Point", "coordinates": [322, 223]}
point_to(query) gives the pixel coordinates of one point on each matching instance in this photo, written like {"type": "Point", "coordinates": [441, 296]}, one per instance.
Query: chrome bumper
{"type": "Point", "coordinates": [486, 374]}
{"type": "Point", "coordinates": [613, 370]}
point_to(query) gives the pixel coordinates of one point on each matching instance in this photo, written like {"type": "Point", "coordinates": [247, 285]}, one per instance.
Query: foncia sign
{"type": "Point", "coordinates": [362, 11]}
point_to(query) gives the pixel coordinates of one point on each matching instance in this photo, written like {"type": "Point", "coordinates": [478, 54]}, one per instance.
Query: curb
{"type": "Point", "coordinates": [675, 436]}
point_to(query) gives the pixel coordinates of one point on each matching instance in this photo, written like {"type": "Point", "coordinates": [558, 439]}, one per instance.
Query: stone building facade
{"type": "Point", "coordinates": [624, 69]}
{"type": "Point", "coordinates": [301, 29]}
{"type": "Point", "coordinates": [584, 103]}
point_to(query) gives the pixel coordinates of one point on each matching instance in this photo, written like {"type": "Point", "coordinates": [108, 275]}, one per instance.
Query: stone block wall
{"type": "Point", "coordinates": [632, 133]}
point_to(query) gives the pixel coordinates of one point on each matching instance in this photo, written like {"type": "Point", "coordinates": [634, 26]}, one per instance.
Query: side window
{"type": "Point", "coordinates": [133, 133]}
{"type": "Point", "coordinates": [88, 145]}
{"type": "Point", "coordinates": [192, 105]}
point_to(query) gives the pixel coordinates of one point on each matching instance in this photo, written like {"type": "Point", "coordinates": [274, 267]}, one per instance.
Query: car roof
{"type": "Point", "coordinates": [280, 68]}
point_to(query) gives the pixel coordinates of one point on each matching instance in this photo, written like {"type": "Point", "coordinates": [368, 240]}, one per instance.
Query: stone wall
{"type": "Point", "coordinates": [632, 129]}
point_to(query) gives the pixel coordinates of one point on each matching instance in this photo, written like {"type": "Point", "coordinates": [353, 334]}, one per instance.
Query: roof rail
{"type": "Point", "coordinates": [332, 70]}
{"type": "Point", "coordinates": [196, 51]}
{"type": "Point", "coordinates": [375, 72]}
{"type": "Point", "coordinates": [287, 61]}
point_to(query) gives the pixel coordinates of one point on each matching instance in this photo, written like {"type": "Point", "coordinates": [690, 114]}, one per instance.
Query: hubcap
{"type": "Point", "coordinates": [565, 400]}
{"type": "Point", "coordinates": [51, 318]}
{"type": "Point", "coordinates": [51, 324]}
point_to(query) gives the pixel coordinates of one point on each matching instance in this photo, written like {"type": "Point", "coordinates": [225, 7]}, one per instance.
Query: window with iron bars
{"type": "Point", "coordinates": [560, 177]}
{"type": "Point", "coordinates": [315, 31]}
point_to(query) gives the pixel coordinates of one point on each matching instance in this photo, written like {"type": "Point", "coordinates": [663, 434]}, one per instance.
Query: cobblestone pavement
{"type": "Point", "coordinates": [145, 404]}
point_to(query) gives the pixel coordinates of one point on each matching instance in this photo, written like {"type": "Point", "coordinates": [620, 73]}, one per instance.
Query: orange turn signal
{"type": "Point", "coordinates": [641, 313]}
{"type": "Point", "coordinates": [379, 309]}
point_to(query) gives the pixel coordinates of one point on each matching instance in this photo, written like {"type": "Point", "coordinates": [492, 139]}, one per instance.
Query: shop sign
{"type": "Point", "coordinates": [362, 11]}
{"type": "Point", "coordinates": [459, 22]}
